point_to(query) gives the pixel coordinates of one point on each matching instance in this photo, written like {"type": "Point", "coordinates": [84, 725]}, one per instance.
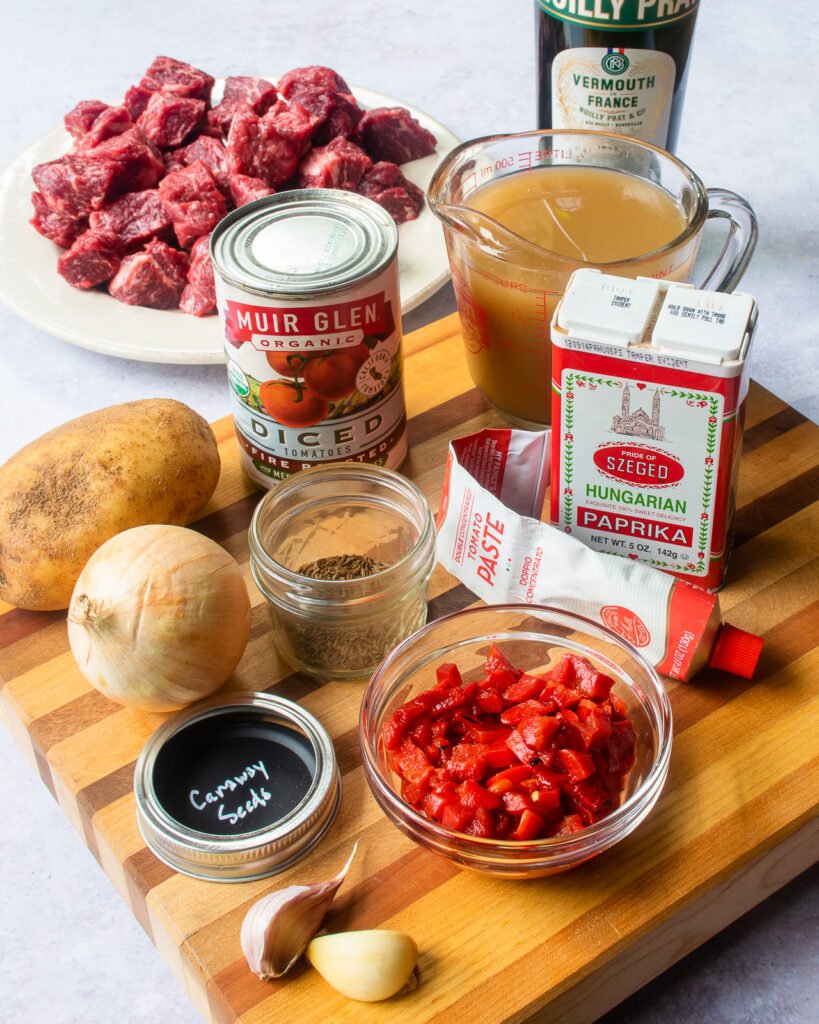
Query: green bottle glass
{"type": "Point", "coordinates": [614, 65]}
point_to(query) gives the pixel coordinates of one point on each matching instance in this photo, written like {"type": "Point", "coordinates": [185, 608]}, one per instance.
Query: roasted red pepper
{"type": "Point", "coordinates": [514, 756]}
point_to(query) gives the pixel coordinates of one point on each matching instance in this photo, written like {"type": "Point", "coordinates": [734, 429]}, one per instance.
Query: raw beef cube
{"type": "Point", "coordinates": [136, 100]}
{"type": "Point", "coordinates": [112, 121]}
{"type": "Point", "coordinates": [338, 112]}
{"type": "Point", "coordinates": [137, 163]}
{"type": "Point", "coordinates": [393, 134]}
{"type": "Point", "coordinates": [79, 120]}
{"type": "Point", "coordinates": [75, 185]}
{"type": "Point", "coordinates": [93, 259]}
{"type": "Point", "coordinates": [212, 154]}
{"type": "Point", "coordinates": [315, 74]}
{"type": "Point", "coordinates": [133, 218]}
{"type": "Point", "coordinates": [340, 164]}
{"type": "Point", "coordinates": [193, 201]}
{"type": "Point", "coordinates": [58, 227]}
{"type": "Point", "coordinates": [271, 146]}
{"type": "Point", "coordinates": [199, 295]}
{"type": "Point", "coordinates": [245, 190]}
{"type": "Point", "coordinates": [241, 90]}
{"type": "Point", "coordinates": [154, 277]}
{"type": "Point", "coordinates": [386, 184]}
{"type": "Point", "coordinates": [169, 119]}
{"type": "Point", "coordinates": [177, 77]}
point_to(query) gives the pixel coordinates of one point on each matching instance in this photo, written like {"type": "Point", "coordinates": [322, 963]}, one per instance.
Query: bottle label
{"type": "Point", "coordinates": [619, 15]}
{"type": "Point", "coordinates": [614, 90]}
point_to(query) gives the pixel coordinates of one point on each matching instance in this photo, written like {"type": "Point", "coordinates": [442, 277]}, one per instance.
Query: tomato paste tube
{"type": "Point", "coordinates": [491, 538]}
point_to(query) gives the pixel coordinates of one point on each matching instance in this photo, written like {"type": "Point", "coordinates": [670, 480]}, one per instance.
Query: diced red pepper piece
{"type": "Point", "coordinates": [456, 816]}
{"type": "Point", "coordinates": [504, 823]}
{"type": "Point", "coordinates": [523, 689]}
{"type": "Point", "coordinates": [514, 775]}
{"type": "Point", "coordinates": [396, 727]}
{"type": "Point", "coordinates": [472, 794]}
{"type": "Point", "coordinates": [596, 685]}
{"type": "Point", "coordinates": [411, 763]}
{"type": "Point", "coordinates": [621, 747]}
{"type": "Point", "coordinates": [547, 803]}
{"type": "Point", "coordinates": [538, 731]}
{"type": "Point", "coordinates": [490, 701]}
{"type": "Point", "coordinates": [517, 712]}
{"type": "Point", "coordinates": [528, 827]}
{"type": "Point", "coordinates": [483, 732]}
{"type": "Point", "coordinates": [588, 793]}
{"type": "Point", "coordinates": [521, 749]}
{"type": "Point", "coordinates": [496, 660]}
{"type": "Point", "coordinates": [467, 761]}
{"type": "Point", "coordinates": [434, 804]}
{"type": "Point", "coordinates": [451, 699]}
{"type": "Point", "coordinates": [563, 697]}
{"type": "Point", "coordinates": [516, 803]}
{"type": "Point", "coordinates": [482, 824]}
{"type": "Point", "coordinates": [499, 755]}
{"type": "Point", "coordinates": [413, 793]}
{"type": "Point", "coordinates": [421, 732]}
{"type": "Point", "coordinates": [578, 766]}
{"type": "Point", "coordinates": [499, 680]}
{"type": "Point", "coordinates": [448, 675]}
{"type": "Point", "coordinates": [563, 673]}
{"type": "Point", "coordinates": [549, 778]}
{"type": "Point", "coordinates": [618, 706]}
{"type": "Point", "coordinates": [571, 823]}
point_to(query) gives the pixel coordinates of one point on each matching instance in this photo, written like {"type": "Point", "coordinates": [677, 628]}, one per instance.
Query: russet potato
{"type": "Point", "coordinates": [65, 494]}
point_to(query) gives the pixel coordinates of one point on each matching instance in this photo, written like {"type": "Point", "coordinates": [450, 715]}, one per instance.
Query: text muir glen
{"type": "Point", "coordinates": [309, 321]}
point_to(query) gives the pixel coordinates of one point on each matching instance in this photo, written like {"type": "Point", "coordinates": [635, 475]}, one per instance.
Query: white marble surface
{"type": "Point", "coordinates": [69, 950]}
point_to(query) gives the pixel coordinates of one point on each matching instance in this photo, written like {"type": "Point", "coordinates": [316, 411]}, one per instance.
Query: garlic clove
{"type": "Point", "coordinates": [278, 927]}
{"type": "Point", "coordinates": [368, 965]}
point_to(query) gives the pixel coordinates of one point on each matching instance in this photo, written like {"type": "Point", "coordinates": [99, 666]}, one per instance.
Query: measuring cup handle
{"type": "Point", "coordinates": [739, 246]}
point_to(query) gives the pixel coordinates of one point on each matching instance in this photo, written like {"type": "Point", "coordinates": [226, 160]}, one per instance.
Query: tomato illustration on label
{"type": "Point", "coordinates": [292, 404]}
{"type": "Point", "coordinates": [334, 376]}
{"type": "Point", "coordinates": [287, 364]}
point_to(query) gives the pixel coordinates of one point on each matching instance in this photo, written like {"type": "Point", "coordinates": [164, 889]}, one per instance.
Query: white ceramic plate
{"type": "Point", "coordinates": [31, 286]}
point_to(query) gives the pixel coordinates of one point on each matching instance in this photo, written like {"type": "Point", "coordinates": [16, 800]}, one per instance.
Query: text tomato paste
{"type": "Point", "coordinates": [514, 755]}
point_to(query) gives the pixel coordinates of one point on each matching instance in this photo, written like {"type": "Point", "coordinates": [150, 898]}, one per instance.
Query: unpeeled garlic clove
{"type": "Point", "coordinates": [277, 928]}
{"type": "Point", "coordinates": [368, 965]}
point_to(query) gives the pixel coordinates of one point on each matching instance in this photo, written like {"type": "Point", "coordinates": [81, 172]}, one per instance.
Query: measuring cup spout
{"type": "Point", "coordinates": [486, 234]}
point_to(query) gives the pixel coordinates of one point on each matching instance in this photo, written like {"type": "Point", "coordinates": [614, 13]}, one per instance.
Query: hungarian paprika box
{"type": "Point", "coordinates": [648, 390]}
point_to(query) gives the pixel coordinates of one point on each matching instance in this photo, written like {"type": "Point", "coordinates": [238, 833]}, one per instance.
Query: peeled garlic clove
{"type": "Point", "coordinates": [368, 966]}
{"type": "Point", "coordinates": [277, 928]}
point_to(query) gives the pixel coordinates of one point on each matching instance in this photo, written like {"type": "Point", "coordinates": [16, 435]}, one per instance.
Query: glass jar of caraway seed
{"type": "Point", "coordinates": [343, 554]}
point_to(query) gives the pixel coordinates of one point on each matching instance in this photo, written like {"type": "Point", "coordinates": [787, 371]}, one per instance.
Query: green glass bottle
{"type": "Point", "coordinates": [614, 65]}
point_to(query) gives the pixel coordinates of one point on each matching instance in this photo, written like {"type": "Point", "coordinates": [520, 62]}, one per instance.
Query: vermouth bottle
{"type": "Point", "coordinates": [614, 65]}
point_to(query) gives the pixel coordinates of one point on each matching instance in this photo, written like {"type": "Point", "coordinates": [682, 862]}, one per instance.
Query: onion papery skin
{"type": "Point", "coordinates": [160, 617]}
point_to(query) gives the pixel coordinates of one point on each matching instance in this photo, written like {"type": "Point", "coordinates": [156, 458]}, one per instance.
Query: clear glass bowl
{"type": "Point", "coordinates": [533, 638]}
{"type": "Point", "coordinates": [342, 628]}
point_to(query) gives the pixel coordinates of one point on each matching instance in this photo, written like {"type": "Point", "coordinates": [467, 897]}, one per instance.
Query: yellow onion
{"type": "Point", "coordinates": [160, 617]}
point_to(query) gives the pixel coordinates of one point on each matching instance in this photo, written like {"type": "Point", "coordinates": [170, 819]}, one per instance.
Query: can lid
{"type": "Point", "coordinates": [303, 242]}
{"type": "Point", "coordinates": [236, 788]}
{"type": "Point", "coordinates": [736, 651]}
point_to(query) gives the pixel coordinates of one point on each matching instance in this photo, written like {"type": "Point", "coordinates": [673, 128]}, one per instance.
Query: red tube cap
{"type": "Point", "coordinates": [736, 651]}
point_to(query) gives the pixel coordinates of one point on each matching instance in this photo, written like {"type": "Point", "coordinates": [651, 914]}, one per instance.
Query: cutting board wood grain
{"type": "Point", "coordinates": [738, 817]}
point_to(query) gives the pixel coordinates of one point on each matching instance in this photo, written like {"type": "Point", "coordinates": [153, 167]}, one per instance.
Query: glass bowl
{"type": "Point", "coordinates": [534, 639]}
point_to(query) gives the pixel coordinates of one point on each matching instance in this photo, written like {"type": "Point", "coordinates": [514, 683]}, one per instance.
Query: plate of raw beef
{"type": "Point", "coordinates": [86, 314]}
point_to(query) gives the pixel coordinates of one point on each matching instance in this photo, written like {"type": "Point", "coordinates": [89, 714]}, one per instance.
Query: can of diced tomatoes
{"type": "Point", "coordinates": [307, 291]}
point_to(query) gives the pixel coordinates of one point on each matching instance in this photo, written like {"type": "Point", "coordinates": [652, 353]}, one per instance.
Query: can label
{"type": "Point", "coordinates": [315, 381]}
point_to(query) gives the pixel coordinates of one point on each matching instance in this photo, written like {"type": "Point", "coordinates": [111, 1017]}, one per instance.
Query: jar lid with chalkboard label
{"type": "Point", "coordinates": [236, 788]}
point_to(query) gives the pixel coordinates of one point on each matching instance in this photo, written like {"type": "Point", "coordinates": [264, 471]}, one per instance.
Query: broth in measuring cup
{"type": "Point", "coordinates": [575, 216]}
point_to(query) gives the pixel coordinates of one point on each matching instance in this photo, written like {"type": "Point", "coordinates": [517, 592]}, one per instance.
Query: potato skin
{"type": "Point", "coordinates": [65, 494]}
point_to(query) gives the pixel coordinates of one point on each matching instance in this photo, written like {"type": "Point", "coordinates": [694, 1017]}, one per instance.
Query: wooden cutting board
{"type": "Point", "coordinates": [737, 819]}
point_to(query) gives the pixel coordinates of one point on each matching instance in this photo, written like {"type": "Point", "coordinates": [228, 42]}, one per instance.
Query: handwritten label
{"type": "Point", "coordinates": [255, 799]}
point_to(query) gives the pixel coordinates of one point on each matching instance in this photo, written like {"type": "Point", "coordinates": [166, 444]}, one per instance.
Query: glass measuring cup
{"type": "Point", "coordinates": [507, 286]}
